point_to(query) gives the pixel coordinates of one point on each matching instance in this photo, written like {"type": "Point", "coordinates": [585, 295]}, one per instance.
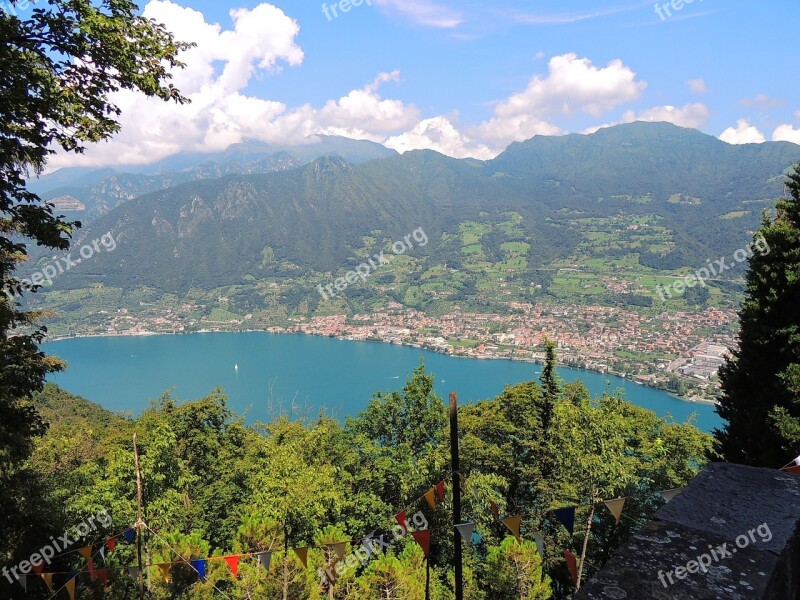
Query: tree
{"type": "Point", "coordinates": [761, 381]}
{"type": "Point", "coordinates": [514, 570]}
{"type": "Point", "coordinates": [58, 67]}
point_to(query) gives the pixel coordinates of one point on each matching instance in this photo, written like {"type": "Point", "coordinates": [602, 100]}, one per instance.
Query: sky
{"type": "Point", "coordinates": [462, 77]}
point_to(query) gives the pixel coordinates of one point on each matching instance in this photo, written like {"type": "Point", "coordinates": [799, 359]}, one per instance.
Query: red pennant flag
{"type": "Point", "coordinates": [792, 470]}
{"type": "Point", "coordinates": [102, 576]}
{"type": "Point", "coordinates": [91, 569]}
{"type": "Point", "coordinates": [401, 518]}
{"type": "Point", "coordinates": [111, 543]}
{"type": "Point", "coordinates": [424, 540]}
{"type": "Point", "coordinates": [495, 510]}
{"type": "Point", "coordinates": [38, 567]}
{"type": "Point", "coordinates": [233, 563]}
{"type": "Point", "coordinates": [572, 565]}
{"type": "Point", "coordinates": [440, 490]}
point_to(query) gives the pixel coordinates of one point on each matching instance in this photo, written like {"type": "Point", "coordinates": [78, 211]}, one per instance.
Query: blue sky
{"type": "Point", "coordinates": [466, 78]}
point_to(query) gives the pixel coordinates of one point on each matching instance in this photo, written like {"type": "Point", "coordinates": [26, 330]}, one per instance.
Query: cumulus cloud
{"type": "Point", "coordinates": [698, 86]}
{"type": "Point", "coordinates": [762, 101]}
{"type": "Point", "coordinates": [786, 133]}
{"type": "Point", "coordinates": [743, 133]}
{"type": "Point", "coordinates": [440, 134]}
{"type": "Point", "coordinates": [693, 115]}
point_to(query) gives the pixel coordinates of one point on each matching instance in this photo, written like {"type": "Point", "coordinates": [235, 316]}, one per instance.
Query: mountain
{"type": "Point", "coordinates": [632, 199]}
{"type": "Point", "coordinates": [100, 190]}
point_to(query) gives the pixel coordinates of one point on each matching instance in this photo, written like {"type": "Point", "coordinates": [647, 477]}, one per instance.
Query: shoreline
{"type": "Point", "coordinates": [376, 341]}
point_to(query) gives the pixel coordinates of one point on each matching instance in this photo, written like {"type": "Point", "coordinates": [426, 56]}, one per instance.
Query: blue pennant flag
{"type": "Point", "coordinates": [199, 565]}
{"type": "Point", "coordinates": [567, 518]}
{"type": "Point", "coordinates": [130, 535]}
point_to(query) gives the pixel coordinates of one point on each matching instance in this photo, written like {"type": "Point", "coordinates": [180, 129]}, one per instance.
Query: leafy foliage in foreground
{"type": "Point", "coordinates": [215, 486]}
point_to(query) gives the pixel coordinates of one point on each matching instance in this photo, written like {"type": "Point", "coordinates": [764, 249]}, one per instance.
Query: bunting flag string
{"type": "Point", "coordinates": [71, 585]}
{"type": "Point", "coordinates": [264, 558]}
{"type": "Point", "coordinates": [164, 568]}
{"type": "Point", "coordinates": [402, 518]}
{"type": "Point", "coordinates": [48, 579]}
{"type": "Point", "coordinates": [233, 563]}
{"type": "Point", "coordinates": [495, 510]}
{"type": "Point", "coordinates": [466, 530]}
{"type": "Point", "coordinates": [339, 549]}
{"type": "Point", "coordinates": [440, 490]}
{"type": "Point", "coordinates": [302, 554]}
{"type": "Point", "coordinates": [566, 517]}
{"type": "Point", "coordinates": [199, 565]}
{"type": "Point", "coordinates": [423, 538]}
{"type": "Point", "coordinates": [430, 496]}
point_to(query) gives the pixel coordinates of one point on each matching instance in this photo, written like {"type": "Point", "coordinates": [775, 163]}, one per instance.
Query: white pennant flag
{"type": "Point", "coordinates": [264, 559]}
{"type": "Point", "coordinates": [466, 530]}
{"type": "Point", "coordinates": [539, 543]}
{"type": "Point", "coordinates": [23, 581]}
{"type": "Point", "coordinates": [670, 494]}
{"type": "Point", "coordinates": [134, 573]}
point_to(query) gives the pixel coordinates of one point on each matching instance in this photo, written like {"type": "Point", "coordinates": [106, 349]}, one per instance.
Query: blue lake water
{"type": "Point", "coordinates": [299, 374]}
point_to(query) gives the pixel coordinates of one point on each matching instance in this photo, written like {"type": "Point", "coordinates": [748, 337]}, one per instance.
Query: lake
{"type": "Point", "coordinates": [265, 373]}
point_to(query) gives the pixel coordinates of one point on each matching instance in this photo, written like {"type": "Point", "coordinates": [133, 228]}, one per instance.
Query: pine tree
{"type": "Point", "coordinates": [761, 381]}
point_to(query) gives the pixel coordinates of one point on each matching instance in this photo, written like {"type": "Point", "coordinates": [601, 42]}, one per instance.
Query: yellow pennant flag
{"type": "Point", "coordinates": [431, 497]}
{"type": "Point", "coordinates": [513, 524]}
{"type": "Point", "coordinates": [302, 554]}
{"type": "Point", "coordinates": [615, 506]}
{"type": "Point", "coordinates": [339, 549]}
{"type": "Point", "coordinates": [48, 579]}
{"type": "Point", "coordinates": [71, 588]}
{"type": "Point", "coordinates": [164, 568]}
{"type": "Point", "coordinates": [85, 552]}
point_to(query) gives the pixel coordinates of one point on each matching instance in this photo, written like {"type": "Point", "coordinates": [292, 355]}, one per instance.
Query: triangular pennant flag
{"type": "Point", "coordinates": [466, 529]}
{"type": "Point", "coordinates": [199, 565]}
{"type": "Point", "coordinates": [264, 559]}
{"type": "Point", "coordinates": [495, 510]}
{"type": "Point", "coordinates": [476, 538]}
{"type": "Point", "coordinates": [302, 554]}
{"type": "Point", "coordinates": [340, 549]}
{"type": "Point", "coordinates": [102, 576]}
{"type": "Point", "coordinates": [134, 573]}
{"type": "Point", "coordinates": [572, 565]}
{"type": "Point", "coordinates": [23, 581]}
{"type": "Point", "coordinates": [670, 494]}
{"type": "Point", "coordinates": [130, 535]}
{"type": "Point", "coordinates": [567, 518]}
{"type": "Point", "coordinates": [430, 496]}
{"type": "Point", "coordinates": [615, 506]}
{"type": "Point", "coordinates": [513, 524]}
{"type": "Point", "coordinates": [440, 490]}
{"type": "Point", "coordinates": [71, 587]}
{"type": "Point", "coordinates": [423, 539]}
{"type": "Point", "coordinates": [792, 470]}
{"type": "Point", "coordinates": [103, 552]}
{"type": "Point", "coordinates": [463, 481]}
{"type": "Point", "coordinates": [111, 543]}
{"type": "Point", "coordinates": [401, 518]}
{"type": "Point", "coordinates": [164, 568]}
{"type": "Point", "coordinates": [537, 537]}
{"type": "Point", "coordinates": [85, 552]}
{"type": "Point", "coordinates": [37, 567]}
{"type": "Point", "coordinates": [48, 579]}
{"type": "Point", "coordinates": [233, 563]}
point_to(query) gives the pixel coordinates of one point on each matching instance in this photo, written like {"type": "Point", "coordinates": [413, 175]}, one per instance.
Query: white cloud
{"type": "Point", "coordinates": [786, 133]}
{"type": "Point", "coordinates": [441, 135]}
{"type": "Point", "coordinates": [698, 86]}
{"type": "Point", "coordinates": [743, 133]}
{"type": "Point", "coordinates": [574, 85]}
{"type": "Point", "coordinates": [217, 71]}
{"type": "Point", "coordinates": [692, 115]}
{"type": "Point", "coordinates": [763, 101]}
{"type": "Point", "coordinates": [424, 12]}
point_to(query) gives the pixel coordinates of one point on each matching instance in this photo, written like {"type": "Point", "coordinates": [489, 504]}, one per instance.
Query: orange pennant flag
{"type": "Point", "coordinates": [423, 539]}
{"type": "Point", "coordinates": [233, 563]}
{"type": "Point", "coordinates": [495, 510]}
{"type": "Point", "coordinates": [572, 565]}
{"type": "Point", "coordinates": [164, 568]}
{"type": "Point", "coordinates": [71, 588]}
{"type": "Point", "coordinates": [85, 552]}
{"type": "Point", "coordinates": [48, 579]}
{"type": "Point", "coordinates": [615, 506]}
{"type": "Point", "coordinates": [339, 549]}
{"type": "Point", "coordinates": [302, 554]}
{"type": "Point", "coordinates": [513, 523]}
{"type": "Point", "coordinates": [440, 490]}
{"type": "Point", "coordinates": [431, 497]}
